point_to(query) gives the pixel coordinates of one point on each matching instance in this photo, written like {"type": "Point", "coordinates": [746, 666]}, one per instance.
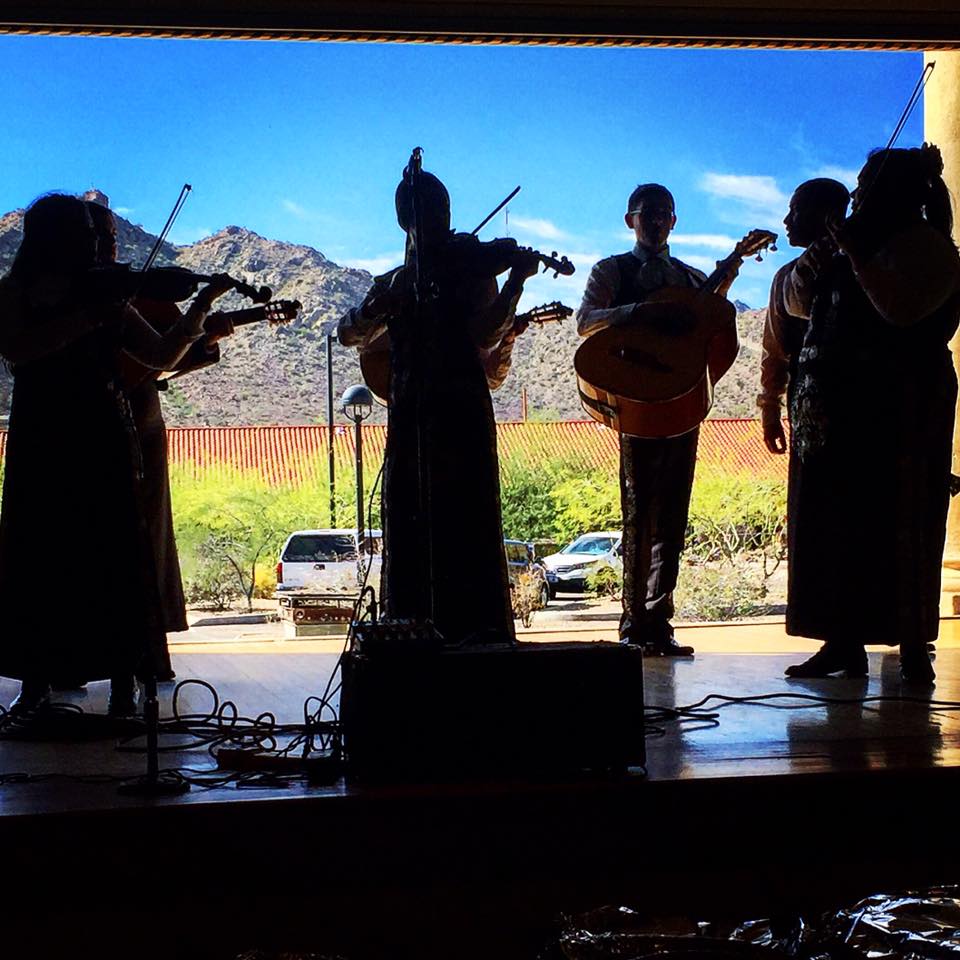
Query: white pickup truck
{"type": "Point", "coordinates": [328, 561]}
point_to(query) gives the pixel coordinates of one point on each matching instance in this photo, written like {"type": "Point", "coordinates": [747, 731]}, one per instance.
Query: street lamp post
{"type": "Point", "coordinates": [357, 404]}
{"type": "Point", "coordinates": [331, 459]}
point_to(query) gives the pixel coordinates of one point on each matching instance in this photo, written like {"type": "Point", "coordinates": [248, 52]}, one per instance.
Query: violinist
{"type": "Point", "coordinates": [451, 337]}
{"type": "Point", "coordinates": [872, 414]}
{"type": "Point", "coordinates": [656, 475]}
{"type": "Point", "coordinates": [73, 467]}
{"type": "Point", "coordinates": [143, 392]}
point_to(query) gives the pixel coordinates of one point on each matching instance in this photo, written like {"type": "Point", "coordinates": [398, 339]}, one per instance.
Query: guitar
{"type": "Point", "coordinates": [160, 315]}
{"type": "Point", "coordinates": [656, 376]}
{"type": "Point", "coordinates": [375, 356]}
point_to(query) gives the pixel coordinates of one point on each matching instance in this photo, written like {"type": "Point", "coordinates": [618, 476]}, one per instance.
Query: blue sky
{"type": "Point", "coordinates": [305, 142]}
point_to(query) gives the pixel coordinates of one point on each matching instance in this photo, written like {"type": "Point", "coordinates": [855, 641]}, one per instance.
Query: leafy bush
{"type": "Point", "coordinates": [265, 581]}
{"type": "Point", "coordinates": [606, 582]}
{"type": "Point", "coordinates": [526, 496]}
{"type": "Point", "coordinates": [229, 530]}
{"type": "Point", "coordinates": [525, 596]}
{"type": "Point", "coordinates": [723, 591]}
{"type": "Point", "coordinates": [737, 514]}
{"type": "Point", "coordinates": [212, 583]}
{"type": "Point", "coordinates": [588, 501]}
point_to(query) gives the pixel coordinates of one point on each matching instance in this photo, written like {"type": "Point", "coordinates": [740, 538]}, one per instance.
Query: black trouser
{"type": "Point", "coordinates": [656, 477]}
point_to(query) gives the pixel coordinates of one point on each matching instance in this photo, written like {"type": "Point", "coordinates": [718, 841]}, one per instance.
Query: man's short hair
{"type": "Point", "coordinates": [831, 194]}
{"type": "Point", "coordinates": [645, 190]}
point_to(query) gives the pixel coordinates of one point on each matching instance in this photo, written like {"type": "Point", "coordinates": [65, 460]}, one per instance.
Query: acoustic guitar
{"type": "Point", "coordinates": [161, 315]}
{"type": "Point", "coordinates": [655, 377]}
{"type": "Point", "coordinates": [375, 355]}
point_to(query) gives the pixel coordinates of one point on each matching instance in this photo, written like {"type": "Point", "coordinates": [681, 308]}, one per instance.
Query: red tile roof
{"type": "Point", "coordinates": [298, 455]}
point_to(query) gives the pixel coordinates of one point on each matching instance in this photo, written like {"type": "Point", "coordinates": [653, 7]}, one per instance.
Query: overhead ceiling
{"type": "Point", "coordinates": [921, 24]}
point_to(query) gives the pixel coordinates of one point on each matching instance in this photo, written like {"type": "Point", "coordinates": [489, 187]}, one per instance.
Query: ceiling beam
{"type": "Point", "coordinates": [930, 24]}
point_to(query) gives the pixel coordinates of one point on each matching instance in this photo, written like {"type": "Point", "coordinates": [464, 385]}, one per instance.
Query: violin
{"type": "Point", "coordinates": [491, 257]}
{"type": "Point", "coordinates": [119, 281]}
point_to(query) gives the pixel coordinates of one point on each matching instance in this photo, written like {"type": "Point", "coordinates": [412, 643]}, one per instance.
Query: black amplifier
{"type": "Point", "coordinates": [523, 709]}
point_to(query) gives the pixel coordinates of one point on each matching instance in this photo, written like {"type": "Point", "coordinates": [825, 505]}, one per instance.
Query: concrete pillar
{"type": "Point", "coordinates": [941, 125]}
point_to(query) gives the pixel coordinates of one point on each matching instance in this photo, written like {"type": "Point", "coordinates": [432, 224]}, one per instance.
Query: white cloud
{"type": "Point", "coordinates": [711, 241]}
{"type": "Point", "coordinates": [292, 207]}
{"type": "Point", "coordinates": [183, 236]}
{"type": "Point", "coordinates": [375, 265]}
{"type": "Point", "coordinates": [746, 198]}
{"type": "Point", "coordinates": [544, 229]}
{"type": "Point", "coordinates": [706, 264]}
{"type": "Point", "coordinates": [123, 211]}
{"type": "Point", "coordinates": [846, 175]}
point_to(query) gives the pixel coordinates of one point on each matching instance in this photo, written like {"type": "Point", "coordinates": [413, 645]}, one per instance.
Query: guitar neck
{"type": "Point", "coordinates": [241, 317]}
{"type": "Point", "coordinates": [222, 323]}
{"type": "Point", "coordinates": [712, 282]}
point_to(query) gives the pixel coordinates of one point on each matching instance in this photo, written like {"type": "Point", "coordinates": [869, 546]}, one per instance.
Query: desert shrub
{"type": "Point", "coordinates": [526, 496]}
{"type": "Point", "coordinates": [606, 582]}
{"type": "Point", "coordinates": [265, 581]}
{"type": "Point", "coordinates": [720, 591]}
{"type": "Point", "coordinates": [735, 515]}
{"type": "Point", "coordinates": [585, 502]}
{"type": "Point", "coordinates": [525, 596]}
{"type": "Point", "coordinates": [212, 583]}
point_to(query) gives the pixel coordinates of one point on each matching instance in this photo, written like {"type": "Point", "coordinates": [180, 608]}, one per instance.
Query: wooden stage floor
{"type": "Point", "coordinates": [772, 807]}
{"type": "Point", "coordinates": [788, 736]}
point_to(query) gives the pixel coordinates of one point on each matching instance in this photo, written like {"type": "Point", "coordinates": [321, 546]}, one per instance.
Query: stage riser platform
{"type": "Point", "coordinates": [410, 872]}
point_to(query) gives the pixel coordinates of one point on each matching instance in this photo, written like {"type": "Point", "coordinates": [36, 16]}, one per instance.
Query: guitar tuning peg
{"type": "Point", "coordinates": [773, 247]}
{"type": "Point", "coordinates": [758, 258]}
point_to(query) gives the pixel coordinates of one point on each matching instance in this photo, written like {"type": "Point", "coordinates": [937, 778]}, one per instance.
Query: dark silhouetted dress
{"type": "Point", "coordinates": [78, 592]}
{"type": "Point", "coordinates": [872, 415]}
{"type": "Point", "coordinates": [439, 380]}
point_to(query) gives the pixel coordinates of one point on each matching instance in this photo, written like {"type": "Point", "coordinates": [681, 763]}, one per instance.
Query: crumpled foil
{"type": "Point", "coordinates": [900, 926]}
{"type": "Point", "coordinates": [917, 925]}
{"type": "Point", "coordinates": [619, 933]}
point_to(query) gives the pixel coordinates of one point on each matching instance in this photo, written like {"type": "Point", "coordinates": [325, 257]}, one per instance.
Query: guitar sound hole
{"type": "Point", "coordinates": [642, 358]}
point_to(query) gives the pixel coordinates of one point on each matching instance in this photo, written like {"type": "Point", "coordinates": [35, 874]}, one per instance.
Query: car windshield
{"type": "Point", "coordinates": [320, 548]}
{"type": "Point", "coordinates": [590, 545]}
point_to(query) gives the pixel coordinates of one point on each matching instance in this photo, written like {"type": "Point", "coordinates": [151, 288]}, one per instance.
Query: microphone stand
{"type": "Point", "coordinates": [150, 785]}
{"type": "Point", "coordinates": [422, 341]}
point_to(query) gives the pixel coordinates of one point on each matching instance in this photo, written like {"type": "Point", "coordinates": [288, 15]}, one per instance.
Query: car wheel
{"type": "Point", "coordinates": [546, 594]}
{"type": "Point", "coordinates": [551, 591]}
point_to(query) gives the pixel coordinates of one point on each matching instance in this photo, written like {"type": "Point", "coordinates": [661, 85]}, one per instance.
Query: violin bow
{"type": "Point", "coordinates": [494, 212]}
{"type": "Point", "coordinates": [174, 213]}
{"type": "Point", "coordinates": [898, 129]}
{"type": "Point", "coordinates": [911, 103]}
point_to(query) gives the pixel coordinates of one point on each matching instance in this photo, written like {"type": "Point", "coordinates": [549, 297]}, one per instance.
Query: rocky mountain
{"type": "Point", "coordinates": [278, 375]}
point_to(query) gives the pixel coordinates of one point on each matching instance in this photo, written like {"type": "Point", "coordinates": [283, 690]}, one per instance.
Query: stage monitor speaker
{"type": "Point", "coordinates": [527, 709]}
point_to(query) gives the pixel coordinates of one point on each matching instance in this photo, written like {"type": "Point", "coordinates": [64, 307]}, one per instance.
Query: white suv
{"type": "Point", "coordinates": [326, 561]}
{"type": "Point", "coordinates": [568, 570]}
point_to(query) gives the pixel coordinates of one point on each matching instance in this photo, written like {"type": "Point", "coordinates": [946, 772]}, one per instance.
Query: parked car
{"type": "Point", "coordinates": [521, 558]}
{"type": "Point", "coordinates": [326, 561]}
{"type": "Point", "coordinates": [568, 570]}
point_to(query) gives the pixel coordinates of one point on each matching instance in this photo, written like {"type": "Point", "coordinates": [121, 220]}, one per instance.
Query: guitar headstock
{"type": "Point", "coordinates": [563, 265]}
{"type": "Point", "coordinates": [547, 312]}
{"type": "Point", "coordinates": [754, 242]}
{"type": "Point", "coordinates": [278, 312]}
